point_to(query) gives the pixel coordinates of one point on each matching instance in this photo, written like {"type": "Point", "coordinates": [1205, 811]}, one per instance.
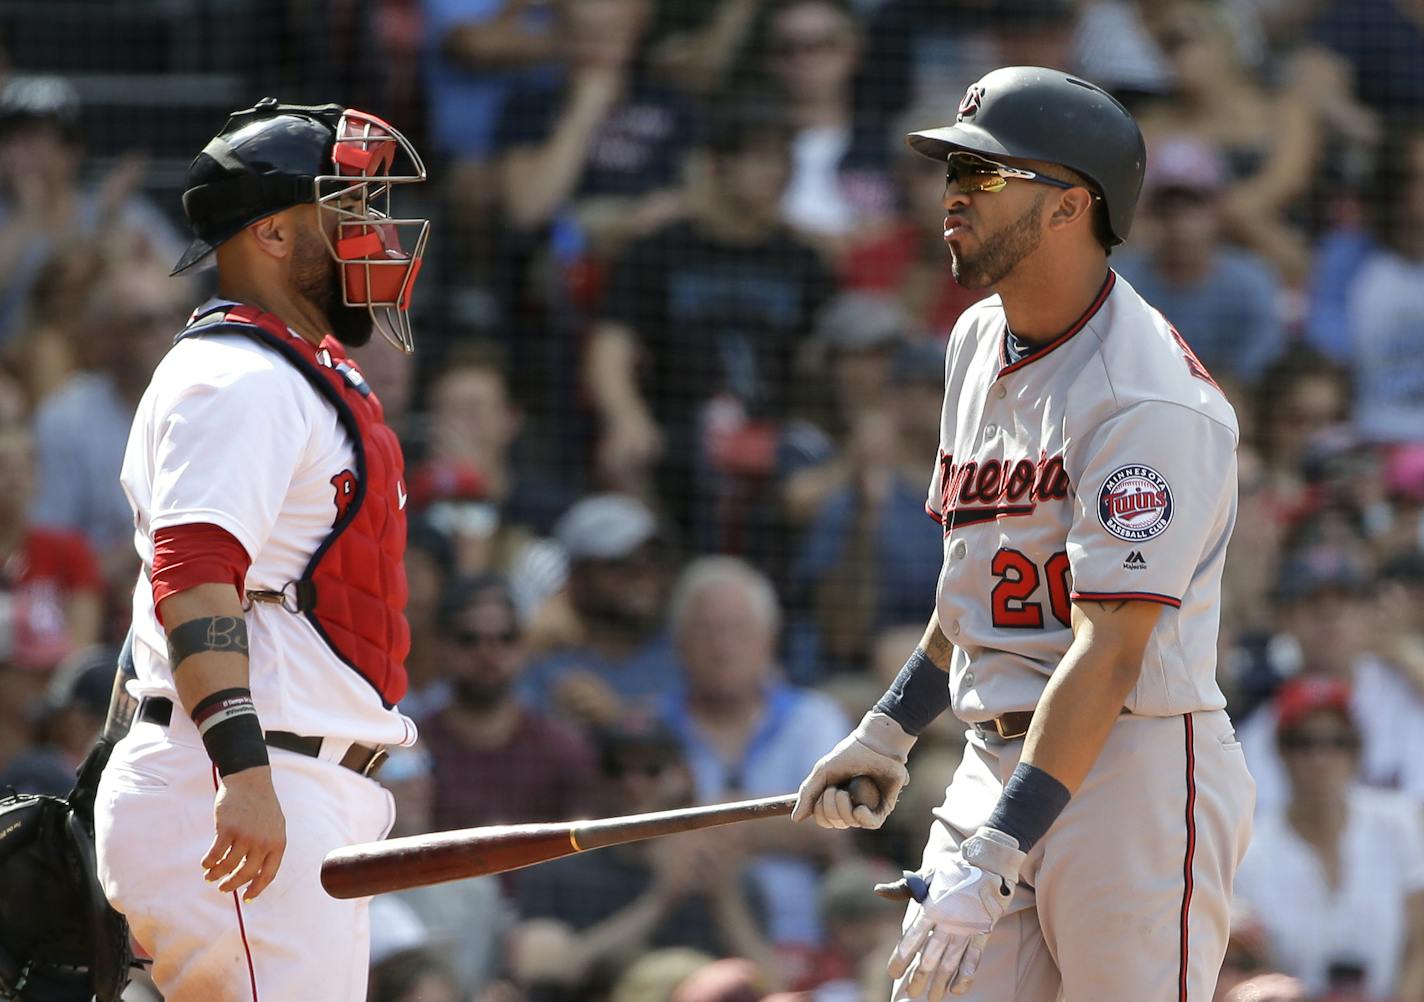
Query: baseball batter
{"type": "Point", "coordinates": [1086, 483]}
{"type": "Point", "coordinates": [268, 628]}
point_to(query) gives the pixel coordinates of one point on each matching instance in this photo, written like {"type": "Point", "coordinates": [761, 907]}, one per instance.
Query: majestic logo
{"type": "Point", "coordinates": [973, 98]}
{"type": "Point", "coordinates": [1135, 561]}
{"type": "Point", "coordinates": [1135, 503]}
{"type": "Point", "coordinates": [401, 495]}
{"type": "Point", "coordinates": [345, 484]}
{"type": "Point", "coordinates": [975, 492]}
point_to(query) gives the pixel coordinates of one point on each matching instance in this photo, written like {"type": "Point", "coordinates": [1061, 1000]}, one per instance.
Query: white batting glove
{"type": "Point", "coordinates": [960, 899]}
{"type": "Point", "coordinates": [877, 748]}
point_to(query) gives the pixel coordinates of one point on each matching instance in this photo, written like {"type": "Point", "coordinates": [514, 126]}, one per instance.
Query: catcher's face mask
{"type": "Point", "coordinates": [370, 159]}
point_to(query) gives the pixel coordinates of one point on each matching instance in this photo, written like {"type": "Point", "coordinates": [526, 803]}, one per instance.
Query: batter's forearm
{"type": "Point", "coordinates": [1085, 695]}
{"type": "Point", "coordinates": [935, 644]}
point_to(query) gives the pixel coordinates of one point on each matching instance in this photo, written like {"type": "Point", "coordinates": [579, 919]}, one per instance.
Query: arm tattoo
{"type": "Point", "coordinates": [938, 648]}
{"type": "Point", "coordinates": [207, 633]}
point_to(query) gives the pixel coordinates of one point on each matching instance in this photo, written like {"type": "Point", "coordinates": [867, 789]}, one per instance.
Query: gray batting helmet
{"type": "Point", "coordinates": [1041, 114]}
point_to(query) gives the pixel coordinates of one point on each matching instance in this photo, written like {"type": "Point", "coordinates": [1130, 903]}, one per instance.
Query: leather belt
{"type": "Point", "coordinates": [1012, 725]}
{"type": "Point", "coordinates": [1007, 726]}
{"type": "Point", "coordinates": [365, 760]}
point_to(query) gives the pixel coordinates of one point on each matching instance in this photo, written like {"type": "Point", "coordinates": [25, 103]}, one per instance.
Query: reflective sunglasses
{"type": "Point", "coordinates": [974, 174]}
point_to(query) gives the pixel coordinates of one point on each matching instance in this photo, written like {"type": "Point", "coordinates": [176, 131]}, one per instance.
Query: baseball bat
{"type": "Point", "coordinates": [417, 860]}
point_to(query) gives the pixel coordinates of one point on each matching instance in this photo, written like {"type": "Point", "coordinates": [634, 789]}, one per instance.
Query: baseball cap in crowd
{"type": "Point", "coordinates": [1322, 568]}
{"type": "Point", "coordinates": [84, 681]}
{"type": "Point", "coordinates": [1300, 697]}
{"type": "Point", "coordinates": [1182, 163]}
{"type": "Point", "coordinates": [605, 527]}
{"type": "Point", "coordinates": [860, 321]}
{"type": "Point", "coordinates": [48, 100]}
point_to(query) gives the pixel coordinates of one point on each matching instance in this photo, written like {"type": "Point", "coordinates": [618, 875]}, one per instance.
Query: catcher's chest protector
{"type": "Point", "coordinates": [353, 589]}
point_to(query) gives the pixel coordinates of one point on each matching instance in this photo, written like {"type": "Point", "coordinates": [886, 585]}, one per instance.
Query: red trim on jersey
{"type": "Point", "coordinates": [194, 554]}
{"type": "Point", "coordinates": [1184, 955]}
{"type": "Point", "coordinates": [1006, 366]}
{"type": "Point", "coordinates": [241, 925]}
{"type": "Point", "coordinates": [933, 514]}
{"type": "Point", "coordinates": [1126, 596]}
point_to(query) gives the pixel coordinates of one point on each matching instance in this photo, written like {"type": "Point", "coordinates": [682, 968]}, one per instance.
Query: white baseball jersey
{"type": "Point", "coordinates": [1102, 466]}
{"type": "Point", "coordinates": [230, 433]}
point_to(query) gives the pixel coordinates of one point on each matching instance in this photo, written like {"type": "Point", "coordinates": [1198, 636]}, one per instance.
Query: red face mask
{"type": "Point", "coordinates": [370, 158]}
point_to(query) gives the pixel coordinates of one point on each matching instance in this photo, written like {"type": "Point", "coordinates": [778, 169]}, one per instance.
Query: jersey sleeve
{"type": "Point", "coordinates": [1154, 489]}
{"type": "Point", "coordinates": [225, 448]}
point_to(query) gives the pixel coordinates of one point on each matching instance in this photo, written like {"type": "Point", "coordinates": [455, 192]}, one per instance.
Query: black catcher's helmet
{"type": "Point", "coordinates": [273, 156]}
{"type": "Point", "coordinates": [1042, 114]}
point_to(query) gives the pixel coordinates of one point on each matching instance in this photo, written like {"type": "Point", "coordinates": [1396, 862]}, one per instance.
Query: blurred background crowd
{"type": "Point", "coordinates": [672, 416]}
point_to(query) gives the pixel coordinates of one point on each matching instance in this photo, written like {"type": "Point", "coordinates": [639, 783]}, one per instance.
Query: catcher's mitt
{"type": "Point", "coordinates": [60, 940]}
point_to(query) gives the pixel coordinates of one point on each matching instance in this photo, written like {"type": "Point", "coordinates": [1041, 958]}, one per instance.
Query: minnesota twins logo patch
{"type": "Point", "coordinates": [1135, 503]}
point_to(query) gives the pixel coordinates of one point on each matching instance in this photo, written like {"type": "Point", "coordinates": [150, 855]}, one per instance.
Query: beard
{"type": "Point", "coordinates": [479, 694]}
{"type": "Point", "coordinates": [318, 278]}
{"type": "Point", "coordinates": [1001, 252]}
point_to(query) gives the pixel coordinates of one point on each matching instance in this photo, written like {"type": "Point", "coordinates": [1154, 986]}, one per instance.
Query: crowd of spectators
{"type": "Point", "coordinates": [669, 426]}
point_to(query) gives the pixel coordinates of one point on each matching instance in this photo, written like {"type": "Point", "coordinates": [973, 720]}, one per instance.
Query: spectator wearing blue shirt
{"type": "Point", "coordinates": [747, 733]}
{"type": "Point", "coordinates": [1224, 301]}
{"type": "Point", "coordinates": [1385, 306]}
{"type": "Point", "coordinates": [870, 555]}
{"type": "Point", "coordinates": [607, 657]}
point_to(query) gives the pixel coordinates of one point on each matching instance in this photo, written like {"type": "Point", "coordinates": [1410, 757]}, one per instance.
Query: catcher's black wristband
{"type": "Point", "coordinates": [1030, 803]}
{"type": "Point", "coordinates": [232, 734]}
{"type": "Point", "coordinates": [206, 633]}
{"type": "Point", "coordinates": [919, 694]}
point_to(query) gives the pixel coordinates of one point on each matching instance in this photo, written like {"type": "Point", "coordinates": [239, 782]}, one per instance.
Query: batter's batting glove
{"type": "Point", "coordinates": [958, 902]}
{"type": "Point", "coordinates": [877, 748]}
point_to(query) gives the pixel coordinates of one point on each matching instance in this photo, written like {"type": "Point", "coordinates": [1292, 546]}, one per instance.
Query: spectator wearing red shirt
{"type": "Point", "coordinates": [496, 761]}
{"type": "Point", "coordinates": [50, 576]}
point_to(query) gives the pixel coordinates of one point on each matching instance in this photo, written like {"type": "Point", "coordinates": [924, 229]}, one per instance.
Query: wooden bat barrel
{"type": "Point", "coordinates": [417, 860]}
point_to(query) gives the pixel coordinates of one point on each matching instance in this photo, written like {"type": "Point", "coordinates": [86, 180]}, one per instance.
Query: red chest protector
{"type": "Point", "coordinates": [353, 590]}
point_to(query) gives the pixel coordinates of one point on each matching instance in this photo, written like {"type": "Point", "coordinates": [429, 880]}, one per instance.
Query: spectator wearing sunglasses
{"type": "Point", "coordinates": [1336, 876]}
{"type": "Point", "coordinates": [1325, 597]}
{"type": "Point", "coordinates": [495, 761]}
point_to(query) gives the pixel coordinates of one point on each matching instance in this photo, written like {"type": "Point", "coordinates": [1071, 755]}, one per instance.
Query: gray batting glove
{"type": "Point", "coordinates": [960, 898]}
{"type": "Point", "coordinates": [878, 748]}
